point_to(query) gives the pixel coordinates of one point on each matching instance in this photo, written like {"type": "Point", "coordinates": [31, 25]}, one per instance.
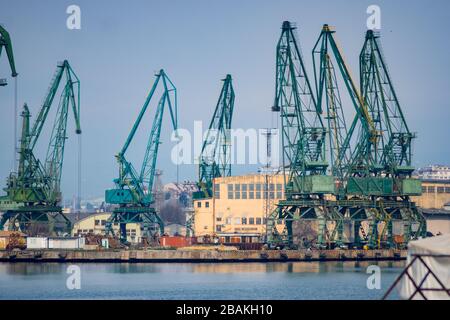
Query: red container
{"type": "Point", "coordinates": [175, 241]}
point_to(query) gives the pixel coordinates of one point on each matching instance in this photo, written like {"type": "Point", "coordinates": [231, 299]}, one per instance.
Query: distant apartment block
{"type": "Point", "coordinates": [433, 172]}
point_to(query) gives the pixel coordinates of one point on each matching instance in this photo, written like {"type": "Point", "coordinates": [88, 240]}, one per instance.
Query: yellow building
{"type": "Point", "coordinates": [95, 224]}
{"type": "Point", "coordinates": [239, 208]}
{"type": "Point", "coordinates": [435, 194]}
{"type": "Point", "coordinates": [434, 203]}
{"type": "Point", "coordinates": [237, 212]}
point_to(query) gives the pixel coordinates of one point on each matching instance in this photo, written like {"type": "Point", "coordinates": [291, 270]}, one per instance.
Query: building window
{"type": "Point", "coordinates": [103, 222]}
{"type": "Point", "coordinates": [431, 189]}
{"type": "Point", "coordinates": [279, 191]}
{"type": "Point", "coordinates": [447, 189]}
{"type": "Point", "coordinates": [244, 191]}
{"type": "Point", "coordinates": [237, 191]}
{"type": "Point", "coordinates": [219, 228]}
{"type": "Point", "coordinates": [237, 220]}
{"type": "Point", "coordinates": [244, 220]}
{"type": "Point", "coordinates": [199, 204]}
{"type": "Point", "coordinates": [258, 220]}
{"type": "Point", "coordinates": [219, 219]}
{"type": "Point", "coordinates": [441, 189]}
{"type": "Point", "coordinates": [217, 191]}
{"type": "Point", "coordinates": [251, 191]}
{"type": "Point", "coordinates": [228, 221]}
{"type": "Point", "coordinates": [207, 204]}
{"type": "Point", "coordinates": [230, 191]}
{"type": "Point", "coordinates": [424, 189]}
{"type": "Point", "coordinates": [258, 191]}
{"type": "Point", "coordinates": [251, 221]}
{"type": "Point", "coordinates": [97, 222]}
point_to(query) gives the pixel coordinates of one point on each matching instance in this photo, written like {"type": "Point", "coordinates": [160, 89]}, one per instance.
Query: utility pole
{"type": "Point", "coordinates": [268, 202]}
{"type": "Point", "coordinates": [15, 125]}
{"type": "Point", "coordinates": [78, 202]}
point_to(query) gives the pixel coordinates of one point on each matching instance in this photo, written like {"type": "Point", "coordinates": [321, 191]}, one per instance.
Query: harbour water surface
{"type": "Point", "coordinates": [269, 281]}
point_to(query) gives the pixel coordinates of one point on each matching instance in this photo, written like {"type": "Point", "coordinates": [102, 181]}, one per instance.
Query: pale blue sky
{"type": "Point", "coordinates": [197, 42]}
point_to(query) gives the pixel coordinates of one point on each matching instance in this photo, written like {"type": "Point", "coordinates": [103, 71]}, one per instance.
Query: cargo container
{"type": "Point", "coordinates": [66, 243]}
{"type": "Point", "coordinates": [176, 241]}
{"type": "Point", "coordinates": [37, 243]}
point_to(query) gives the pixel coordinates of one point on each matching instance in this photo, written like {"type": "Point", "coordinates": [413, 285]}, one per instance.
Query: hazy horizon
{"type": "Point", "coordinates": [122, 44]}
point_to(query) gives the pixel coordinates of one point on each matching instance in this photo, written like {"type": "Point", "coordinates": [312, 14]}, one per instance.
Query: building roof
{"type": "Point", "coordinates": [186, 186]}
{"type": "Point", "coordinates": [440, 181]}
{"type": "Point", "coordinates": [83, 216]}
{"type": "Point", "coordinates": [436, 212]}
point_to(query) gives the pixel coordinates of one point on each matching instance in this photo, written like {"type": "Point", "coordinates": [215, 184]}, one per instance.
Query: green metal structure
{"type": "Point", "coordinates": [303, 142]}
{"type": "Point", "coordinates": [133, 189]}
{"type": "Point", "coordinates": [5, 42]}
{"type": "Point", "coordinates": [394, 150]}
{"type": "Point", "coordinates": [33, 193]}
{"type": "Point", "coordinates": [368, 185]}
{"type": "Point", "coordinates": [215, 156]}
{"type": "Point", "coordinates": [347, 160]}
{"type": "Point", "coordinates": [363, 157]}
{"type": "Point", "coordinates": [216, 149]}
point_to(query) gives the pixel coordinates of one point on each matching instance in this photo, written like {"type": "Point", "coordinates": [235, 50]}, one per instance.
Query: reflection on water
{"type": "Point", "coordinates": [293, 267]}
{"type": "Point", "coordinates": [289, 280]}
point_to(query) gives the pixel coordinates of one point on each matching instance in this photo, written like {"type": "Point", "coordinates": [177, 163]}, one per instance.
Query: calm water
{"type": "Point", "coordinates": [296, 280]}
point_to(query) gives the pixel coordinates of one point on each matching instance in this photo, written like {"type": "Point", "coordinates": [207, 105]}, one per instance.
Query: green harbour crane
{"type": "Point", "coordinates": [5, 42]}
{"type": "Point", "coordinates": [33, 192]}
{"type": "Point", "coordinates": [303, 142]}
{"type": "Point", "coordinates": [133, 189]}
{"type": "Point", "coordinates": [215, 157]}
{"type": "Point", "coordinates": [354, 146]}
{"type": "Point", "coordinates": [368, 182]}
{"type": "Point", "coordinates": [395, 143]}
{"type": "Point", "coordinates": [362, 156]}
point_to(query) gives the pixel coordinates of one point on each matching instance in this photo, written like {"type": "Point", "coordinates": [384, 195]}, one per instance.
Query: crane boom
{"type": "Point", "coordinates": [5, 41]}
{"type": "Point", "coordinates": [216, 149]}
{"type": "Point", "coordinates": [379, 93]}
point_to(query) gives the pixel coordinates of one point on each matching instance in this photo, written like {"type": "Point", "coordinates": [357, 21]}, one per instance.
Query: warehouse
{"type": "Point", "coordinates": [95, 224]}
